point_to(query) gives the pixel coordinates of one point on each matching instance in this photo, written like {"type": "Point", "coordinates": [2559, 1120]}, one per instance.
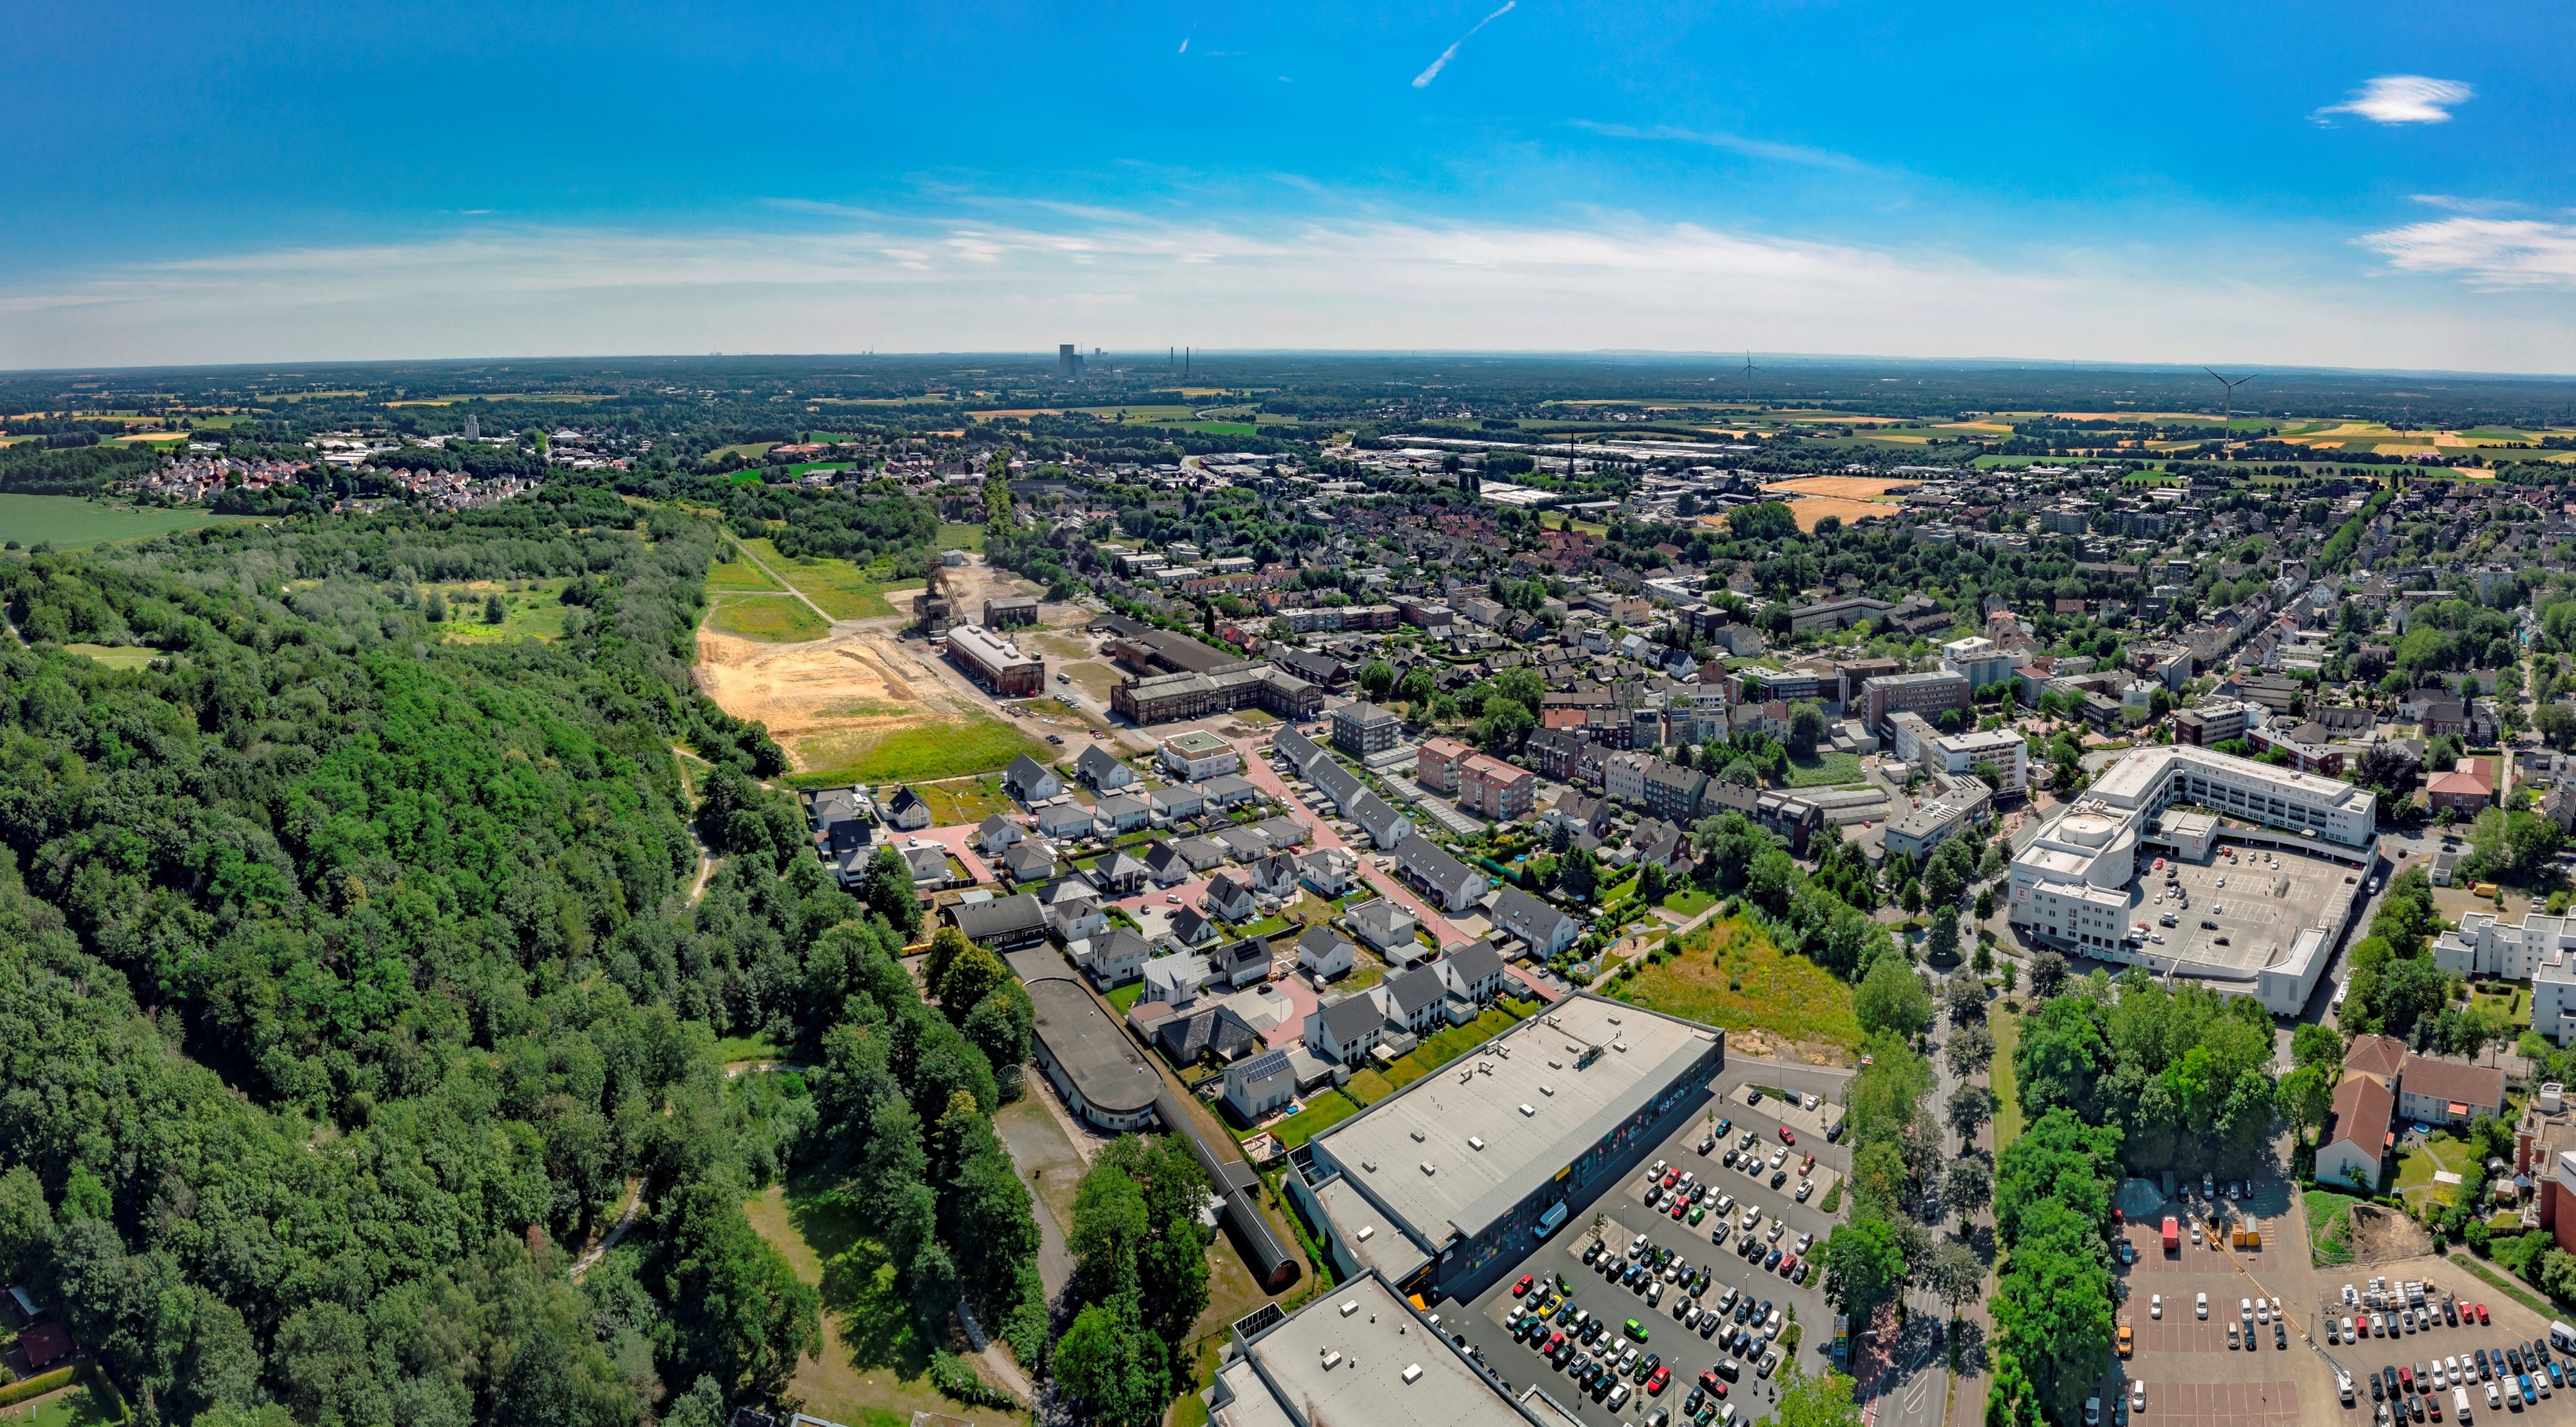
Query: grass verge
{"type": "Point", "coordinates": [1824, 770]}
{"type": "Point", "coordinates": [2007, 1029]}
{"type": "Point", "coordinates": [1324, 1109]}
{"type": "Point", "coordinates": [2505, 1286]}
{"type": "Point", "coordinates": [2329, 1227]}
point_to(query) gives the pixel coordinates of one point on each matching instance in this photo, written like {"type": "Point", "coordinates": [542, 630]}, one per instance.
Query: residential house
{"type": "Point", "coordinates": [908, 811]}
{"type": "Point", "coordinates": [1450, 883]}
{"type": "Point", "coordinates": [1175, 803]}
{"type": "Point", "coordinates": [1175, 980]}
{"type": "Point", "coordinates": [1543, 928]}
{"type": "Point", "coordinates": [1259, 1085]}
{"type": "Point", "coordinates": [1119, 875]}
{"type": "Point", "coordinates": [2464, 790]}
{"type": "Point", "coordinates": [1362, 728]}
{"type": "Point", "coordinates": [1385, 826]}
{"type": "Point", "coordinates": [1241, 963]}
{"type": "Point", "coordinates": [2448, 1092]}
{"type": "Point", "coordinates": [1228, 899]}
{"type": "Point", "coordinates": [995, 834]}
{"type": "Point", "coordinates": [1324, 952]}
{"type": "Point", "coordinates": [1388, 929]}
{"type": "Point", "coordinates": [1245, 844]}
{"type": "Point", "coordinates": [1328, 872]}
{"type": "Point", "coordinates": [1226, 791]}
{"type": "Point", "coordinates": [1064, 820]}
{"type": "Point", "coordinates": [1074, 909]}
{"type": "Point", "coordinates": [1121, 813]}
{"type": "Point", "coordinates": [1030, 860]}
{"type": "Point", "coordinates": [929, 864]}
{"type": "Point", "coordinates": [1667, 845]}
{"type": "Point", "coordinates": [1343, 1031]}
{"type": "Point", "coordinates": [1115, 957]}
{"type": "Point", "coordinates": [1201, 853]}
{"type": "Point", "coordinates": [1207, 1028]}
{"type": "Point", "coordinates": [1300, 751]}
{"type": "Point", "coordinates": [1191, 927]}
{"type": "Point", "coordinates": [1100, 770]}
{"type": "Point", "coordinates": [1165, 864]}
{"type": "Point", "coordinates": [1004, 923]}
{"type": "Point", "coordinates": [1473, 973]}
{"type": "Point", "coordinates": [1031, 781]}
{"type": "Point", "coordinates": [1411, 999]}
{"type": "Point", "coordinates": [2355, 1142]}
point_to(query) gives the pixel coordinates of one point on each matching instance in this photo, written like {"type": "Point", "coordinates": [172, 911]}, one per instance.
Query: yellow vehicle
{"type": "Point", "coordinates": [2128, 1340]}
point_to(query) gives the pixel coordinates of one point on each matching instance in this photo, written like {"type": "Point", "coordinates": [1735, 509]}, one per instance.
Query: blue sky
{"type": "Point", "coordinates": [2345, 185]}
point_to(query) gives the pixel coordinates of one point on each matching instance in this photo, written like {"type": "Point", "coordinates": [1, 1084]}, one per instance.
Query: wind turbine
{"type": "Point", "coordinates": [2227, 421]}
{"type": "Point", "coordinates": [1749, 370]}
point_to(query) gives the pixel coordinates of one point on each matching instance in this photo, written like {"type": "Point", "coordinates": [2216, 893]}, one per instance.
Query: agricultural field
{"type": "Point", "coordinates": [748, 450]}
{"type": "Point", "coordinates": [773, 619]}
{"type": "Point", "coordinates": [1729, 974]}
{"type": "Point", "coordinates": [1812, 509]}
{"type": "Point", "coordinates": [70, 522]}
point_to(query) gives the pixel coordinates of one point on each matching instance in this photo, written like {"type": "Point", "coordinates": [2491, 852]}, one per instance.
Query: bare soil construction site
{"type": "Point", "coordinates": [861, 702]}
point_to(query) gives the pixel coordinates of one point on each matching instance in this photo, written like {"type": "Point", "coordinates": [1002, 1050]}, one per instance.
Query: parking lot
{"type": "Point", "coordinates": [1625, 1215]}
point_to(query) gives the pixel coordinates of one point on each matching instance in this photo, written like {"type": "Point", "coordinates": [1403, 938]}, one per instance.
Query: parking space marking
{"type": "Point", "coordinates": [2219, 1404]}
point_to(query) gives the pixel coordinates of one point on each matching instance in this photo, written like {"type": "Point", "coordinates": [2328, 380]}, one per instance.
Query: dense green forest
{"type": "Point", "coordinates": [346, 974]}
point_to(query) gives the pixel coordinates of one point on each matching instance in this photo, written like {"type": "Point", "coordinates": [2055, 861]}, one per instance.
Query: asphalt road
{"type": "Point", "coordinates": [1480, 1318]}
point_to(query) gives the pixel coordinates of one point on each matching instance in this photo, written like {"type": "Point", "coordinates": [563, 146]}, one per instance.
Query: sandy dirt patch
{"type": "Point", "coordinates": [1815, 508]}
{"type": "Point", "coordinates": [858, 680]}
{"type": "Point", "coordinates": [1851, 487]}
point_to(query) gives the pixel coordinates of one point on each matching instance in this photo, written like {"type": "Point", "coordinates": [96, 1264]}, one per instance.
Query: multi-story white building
{"type": "Point", "coordinates": [1979, 659]}
{"type": "Point", "coordinates": [1194, 756]}
{"type": "Point", "coordinates": [2071, 886]}
{"type": "Point", "coordinates": [2553, 997]}
{"type": "Point", "coordinates": [1623, 778]}
{"type": "Point", "coordinates": [2482, 945]}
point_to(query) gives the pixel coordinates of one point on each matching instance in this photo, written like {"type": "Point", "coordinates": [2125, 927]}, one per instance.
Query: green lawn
{"type": "Point", "coordinates": [1126, 997]}
{"type": "Point", "coordinates": [961, 537]}
{"type": "Point", "coordinates": [75, 1407]}
{"type": "Point", "coordinates": [536, 613]}
{"type": "Point", "coordinates": [1730, 975]}
{"type": "Point", "coordinates": [732, 1049]}
{"type": "Point", "coordinates": [1824, 770]}
{"type": "Point", "coordinates": [737, 575]}
{"type": "Point", "coordinates": [2007, 1029]}
{"type": "Point", "coordinates": [2415, 1168]}
{"type": "Point", "coordinates": [69, 522]}
{"type": "Point", "coordinates": [1689, 901]}
{"type": "Point", "coordinates": [772, 619]}
{"type": "Point", "coordinates": [919, 753]}
{"type": "Point", "coordinates": [1324, 1110]}
{"type": "Point", "coordinates": [116, 656]}
{"type": "Point", "coordinates": [844, 590]}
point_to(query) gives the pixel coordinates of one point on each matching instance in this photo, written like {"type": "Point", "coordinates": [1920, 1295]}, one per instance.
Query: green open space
{"type": "Point", "coordinates": [733, 576]}
{"type": "Point", "coordinates": [1689, 901]}
{"type": "Point", "coordinates": [1828, 767]}
{"type": "Point", "coordinates": [69, 522]}
{"type": "Point", "coordinates": [873, 1367]}
{"type": "Point", "coordinates": [772, 619]}
{"type": "Point", "coordinates": [913, 753]}
{"type": "Point", "coordinates": [1729, 974]}
{"type": "Point", "coordinates": [534, 613]}
{"type": "Point", "coordinates": [1126, 997]}
{"type": "Point", "coordinates": [2416, 1167]}
{"type": "Point", "coordinates": [960, 801]}
{"type": "Point", "coordinates": [733, 1050]}
{"type": "Point", "coordinates": [75, 1406]}
{"type": "Point", "coordinates": [116, 656]}
{"type": "Point", "coordinates": [960, 537]}
{"type": "Point", "coordinates": [842, 589]}
{"type": "Point", "coordinates": [1324, 1109]}
{"type": "Point", "coordinates": [748, 450]}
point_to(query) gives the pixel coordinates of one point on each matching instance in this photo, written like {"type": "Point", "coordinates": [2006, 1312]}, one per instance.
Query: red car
{"type": "Point", "coordinates": [1555, 1341]}
{"type": "Point", "coordinates": [1787, 1138]}
{"type": "Point", "coordinates": [1710, 1382]}
{"type": "Point", "coordinates": [1672, 1177]}
{"type": "Point", "coordinates": [1788, 1265]}
{"type": "Point", "coordinates": [1523, 1287]}
{"type": "Point", "coordinates": [1655, 1384]}
{"type": "Point", "coordinates": [2482, 1315]}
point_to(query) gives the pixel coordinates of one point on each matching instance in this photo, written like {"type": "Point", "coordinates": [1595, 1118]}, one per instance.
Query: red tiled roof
{"type": "Point", "coordinates": [2362, 1107]}
{"type": "Point", "coordinates": [2382, 1056]}
{"type": "Point", "coordinates": [2477, 1086]}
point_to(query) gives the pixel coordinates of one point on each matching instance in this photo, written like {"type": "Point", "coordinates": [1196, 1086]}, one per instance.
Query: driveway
{"type": "Point", "coordinates": [960, 842]}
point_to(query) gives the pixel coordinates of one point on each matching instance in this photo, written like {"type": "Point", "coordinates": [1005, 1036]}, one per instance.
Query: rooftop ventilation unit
{"type": "Point", "coordinates": [1417, 1137]}
{"type": "Point", "coordinates": [1350, 1306]}
{"type": "Point", "coordinates": [1474, 1143]}
{"type": "Point", "coordinates": [1332, 1360]}
{"type": "Point", "coordinates": [1527, 1109]}
{"type": "Point", "coordinates": [1365, 1231]}
{"type": "Point", "coordinates": [1412, 1373]}
{"type": "Point", "coordinates": [1429, 1168]}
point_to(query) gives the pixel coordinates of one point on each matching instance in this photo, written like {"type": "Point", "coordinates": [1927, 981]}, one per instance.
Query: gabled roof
{"type": "Point", "coordinates": [1476, 961]}
{"type": "Point", "coordinates": [905, 800]}
{"type": "Point", "coordinates": [2362, 1107]}
{"type": "Point", "coordinates": [1119, 805]}
{"type": "Point", "coordinates": [1339, 783]}
{"type": "Point", "coordinates": [1261, 1067]}
{"type": "Point", "coordinates": [1120, 865]}
{"type": "Point", "coordinates": [999, 917]}
{"type": "Point", "coordinates": [1025, 772]}
{"type": "Point", "coordinates": [1224, 892]}
{"type": "Point", "coordinates": [1320, 941]}
{"type": "Point", "coordinates": [1526, 916]}
{"type": "Point", "coordinates": [1246, 952]}
{"type": "Point", "coordinates": [1096, 762]}
{"type": "Point", "coordinates": [1189, 924]}
{"type": "Point", "coordinates": [1413, 990]}
{"type": "Point", "coordinates": [1163, 857]}
{"type": "Point", "coordinates": [1424, 859]}
{"type": "Point", "coordinates": [1349, 1019]}
{"type": "Point", "coordinates": [1370, 811]}
{"type": "Point", "coordinates": [2382, 1056]}
{"type": "Point", "coordinates": [2456, 1081]}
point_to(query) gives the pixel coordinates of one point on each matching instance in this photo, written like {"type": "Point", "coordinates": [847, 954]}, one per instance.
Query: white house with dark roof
{"type": "Point", "coordinates": [1385, 826]}
{"type": "Point", "coordinates": [1344, 1031]}
{"type": "Point", "coordinates": [1546, 929]}
{"type": "Point", "coordinates": [1118, 875]}
{"type": "Point", "coordinates": [1450, 882]}
{"type": "Point", "coordinates": [1328, 871]}
{"type": "Point", "coordinates": [1339, 785]}
{"type": "Point", "coordinates": [1190, 927]}
{"type": "Point", "coordinates": [1201, 853]}
{"type": "Point", "coordinates": [1115, 956]}
{"type": "Point", "coordinates": [1031, 781]}
{"type": "Point", "coordinates": [1064, 820]}
{"type": "Point", "coordinates": [1275, 874]}
{"type": "Point", "coordinates": [1259, 1084]}
{"type": "Point", "coordinates": [1074, 910]}
{"type": "Point", "coordinates": [1179, 800]}
{"type": "Point", "coordinates": [1101, 771]}
{"type": "Point", "coordinates": [907, 811]}
{"type": "Point", "coordinates": [1165, 864]}
{"type": "Point", "coordinates": [1300, 751]}
{"type": "Point", "coordinates": [1229, 898]}
{"type": "Point", "coordinates": [1241, 963]}
{"type": "Point", "coordinates": [1473, 973]}
{"type": "Point", "coordinates": [1325, 952]}
{"type": "Point", "coordinates": [1411, 999]}
{"type": "Point", "coordinates": [995, 834]}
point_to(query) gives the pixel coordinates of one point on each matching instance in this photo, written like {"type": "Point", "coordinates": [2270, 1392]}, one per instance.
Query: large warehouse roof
{"type": "Point", "coordinates": [1358, 1355]}
{"type": "Point", "coordinates": [1106, 1066]}
{"type": "Point", "coordinates": [1535, 1098]}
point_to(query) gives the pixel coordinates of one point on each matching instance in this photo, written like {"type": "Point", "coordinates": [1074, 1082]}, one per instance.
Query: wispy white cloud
{"type": "Point", "coordinates": [2456, 204]}
{"type": "Point", "coordinates": [1423, 80]}
{"type": "Point", "coordinates": [995, 276]}
{"type": "Point", "coordinates": [1185, 46]}
{"type": "Point", "coordinates": [1732, 143]}
{"type": "Point", "coordinates": [2402, 99]}
{"type": "Point", "coordinates": [2492, 253]}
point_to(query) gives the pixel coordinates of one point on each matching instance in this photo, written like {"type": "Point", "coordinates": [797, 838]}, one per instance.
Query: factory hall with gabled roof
{"type": "Point", "coordinates": [1494, 1151]}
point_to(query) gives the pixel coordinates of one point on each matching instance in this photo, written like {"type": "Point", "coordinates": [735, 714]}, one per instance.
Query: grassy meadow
{"type": "Point", "coordinates": [69, 522]}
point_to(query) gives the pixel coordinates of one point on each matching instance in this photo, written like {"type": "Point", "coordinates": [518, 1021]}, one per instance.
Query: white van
{"type": "Point", "coordinates": [2562, 1338]}
{"type": "Point", "coordinates": [2460, 1405]}
{"type": "Point", "coordinates": [2343, 1385]}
